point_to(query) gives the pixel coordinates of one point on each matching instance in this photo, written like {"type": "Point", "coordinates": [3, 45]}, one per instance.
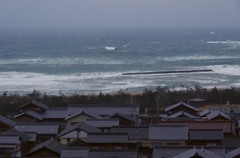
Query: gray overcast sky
{"type": "Point", "coordinates": [118, 13]}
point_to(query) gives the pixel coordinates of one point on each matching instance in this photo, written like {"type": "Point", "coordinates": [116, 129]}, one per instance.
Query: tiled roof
{"type": "Point", "coordinates": [74, 152]}
{"type": "Point", "coordinates": [41, 105]}
{"type": "Point", "coordinates": [107, 138]}
{"type": "Point", "coordinates": [223, 110]}
{"type": "Point", "coordinates": [198, 153]}
{"type": "Point", "coordinates": [30, 113]}
{"type": "Point", "coordinates": [39, 128]}
{"type": "Point", "coordinates": [9, 139]}
{"type": "Point", "coordinates": [112, 154]}
{"type": "Point", "coordinates": [168, 132]}
{"type": "Point", "coordinates": [181, 114]}
{"type": "Point", "coordinates": [106, 122]}
{"type": "Point", "coordinates": [218, 149]}
{"type": "Point", "coordinates": [55, 113]}
{"type": "Point", "coordinates": [180, 104]}
{"type": "Point", "coordinates": [134, 132]}
{"type": "Point", "coordinates": [51, 144]}
{"type": "Point", "coordinates": [204, 113]}
{"type": "Point", "coordinates": [214, 114]}
{"type": "Point", "coordinates": [236, 110]}
{"type": "Point", "coordinates": [234, 153]}
{"type": "Point", "coordinates": [86, 112]}
{"type": "Point", "coordinates": [26, 137]}
{"type": "Point", "coordinates": [171, 151]}
{"type": "Point", "coordinates": [206, 134]}
{"type": "Point", "coordinates": [224, 125]}
{"type": "Point", "coordinates": [105, 109]}
{"type": "Point", "coordinates": [6, 121]}
{"type": "Point", "coordinates": [127, 117]}
{"type": "Point", "coordinates": [80, 126]}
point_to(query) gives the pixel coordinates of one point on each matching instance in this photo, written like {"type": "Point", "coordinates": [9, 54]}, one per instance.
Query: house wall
{"type": "Point", "coordinates": [107, 146]}
{"type": "Point", "coordinates": [25, 118]}
{"type": "Point", "coordinates": [72, 136]}
{"type": "Point", "coordinates": [219, 119]}
{"type": "Point", "coordinates": [30, 107]}
{"type": "Point", "coordinates": [123, 121]}
{"type": "Point", "coordinates": [76, 119]}
{"type": "Point", "coordinates": [168, 143]}
{"type": "Point", "coordinates": [4, 127]}
{"type": "Point", "coordinates": [53, 120]}
{"type": "Point", "coordinates": [205, 142]}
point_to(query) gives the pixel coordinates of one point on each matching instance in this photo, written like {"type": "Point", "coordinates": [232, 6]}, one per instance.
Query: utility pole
{"type": "Point", "coordinates": [157, 100]}
{"type": "Point", "coordinates": [137, 133]}
{"type": "Point", "coordinates": [231, 106]}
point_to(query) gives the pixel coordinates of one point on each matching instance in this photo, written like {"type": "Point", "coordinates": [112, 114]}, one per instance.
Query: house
{"type": "Point", "coordinates": [80, 116]}
{"type": "Point", "coordinates": [181, 106]}
{"type": "Point", "coordinates": [217, 116]}
{"type": "Point", "coordinates": [74, 152]}
{"type": "Point", "coordinates": [54, 115]}
{"type": "Point", "coordinates": [172, 151]}
{"type": "Point", "coordinates": [168, 135]}
{"type": "Point", "coordinates": [112, 153]}
{"type": "Point", "coordinates": [234, 153]}
{"type": "Point", "coordinates": [49, 115]}
{"type": "Point", "coordinates": [181, 115]}
{"type": "Point", "coordinates": [76, 131]}
{"type": "Point", "coordinates": [231, 142]}
{"type": "Point", "coordinates": [134, 132]}
{"type": "Point", "coordinates": [105, 110]}
{"type": "Point", "coordinates": [28, 116]}
{"type": "Point", "coordinates": [236, 113]}
{"type": "Point", "coordinates": [34, 106]}
{"type": "Point", "coordinates": [168, 151]}
{"type": "Point", "coordinates": [104, 124]}
{"type": "Point", "coordinates": [197, 153]}
{"type": "Point", "coordinates": [5, 123]}
{"type": "Point", "coordinates": [124, 119]}
{"type": "Point", "coordinates": [10, 145]}
{"type": "Point", "coordinates": [78, 143]}
{"type": "Point", "coordinates": [208, 137]}
{"type": "Point", "coordinates": [224, 125]}
{"type": "Point", "coordinates": [50, 148]}
{"type": "Point", "coordinates": [28, 140]}
{"type": "Point", "coordinates": [138, 136]}
{"type": "Point", "coordinates": [44, 131]}
{"type": "Point", "coordinates": [108, 141]}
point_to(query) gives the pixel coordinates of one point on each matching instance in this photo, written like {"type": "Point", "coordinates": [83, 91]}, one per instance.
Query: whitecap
{"type": "Point", "coordinates": [224, 42]}
{"type": "Point", "coordinates": [110, 48]}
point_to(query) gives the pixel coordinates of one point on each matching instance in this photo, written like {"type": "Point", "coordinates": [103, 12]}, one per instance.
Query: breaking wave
{"type": "Point", "coordinates": [197, 57]}
{"type": "Point", "coordinates": [61, 61]}
{"type": "Point", "coordinates": [232, 70]}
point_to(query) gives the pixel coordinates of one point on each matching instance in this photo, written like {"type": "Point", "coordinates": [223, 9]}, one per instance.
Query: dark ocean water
{"type": "Point", "coordinates": [90, 61]}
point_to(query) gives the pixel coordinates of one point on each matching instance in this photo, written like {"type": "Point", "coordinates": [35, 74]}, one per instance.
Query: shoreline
{"type": "Point", "coordinates": [128, 91]}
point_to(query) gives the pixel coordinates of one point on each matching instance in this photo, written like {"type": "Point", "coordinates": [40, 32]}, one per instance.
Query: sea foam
{"type": "Point", "coordinates": [231, 70]}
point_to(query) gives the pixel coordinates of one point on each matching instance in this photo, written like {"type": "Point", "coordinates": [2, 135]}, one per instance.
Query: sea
{"type": "Point", "coordinates": [90, 61]}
